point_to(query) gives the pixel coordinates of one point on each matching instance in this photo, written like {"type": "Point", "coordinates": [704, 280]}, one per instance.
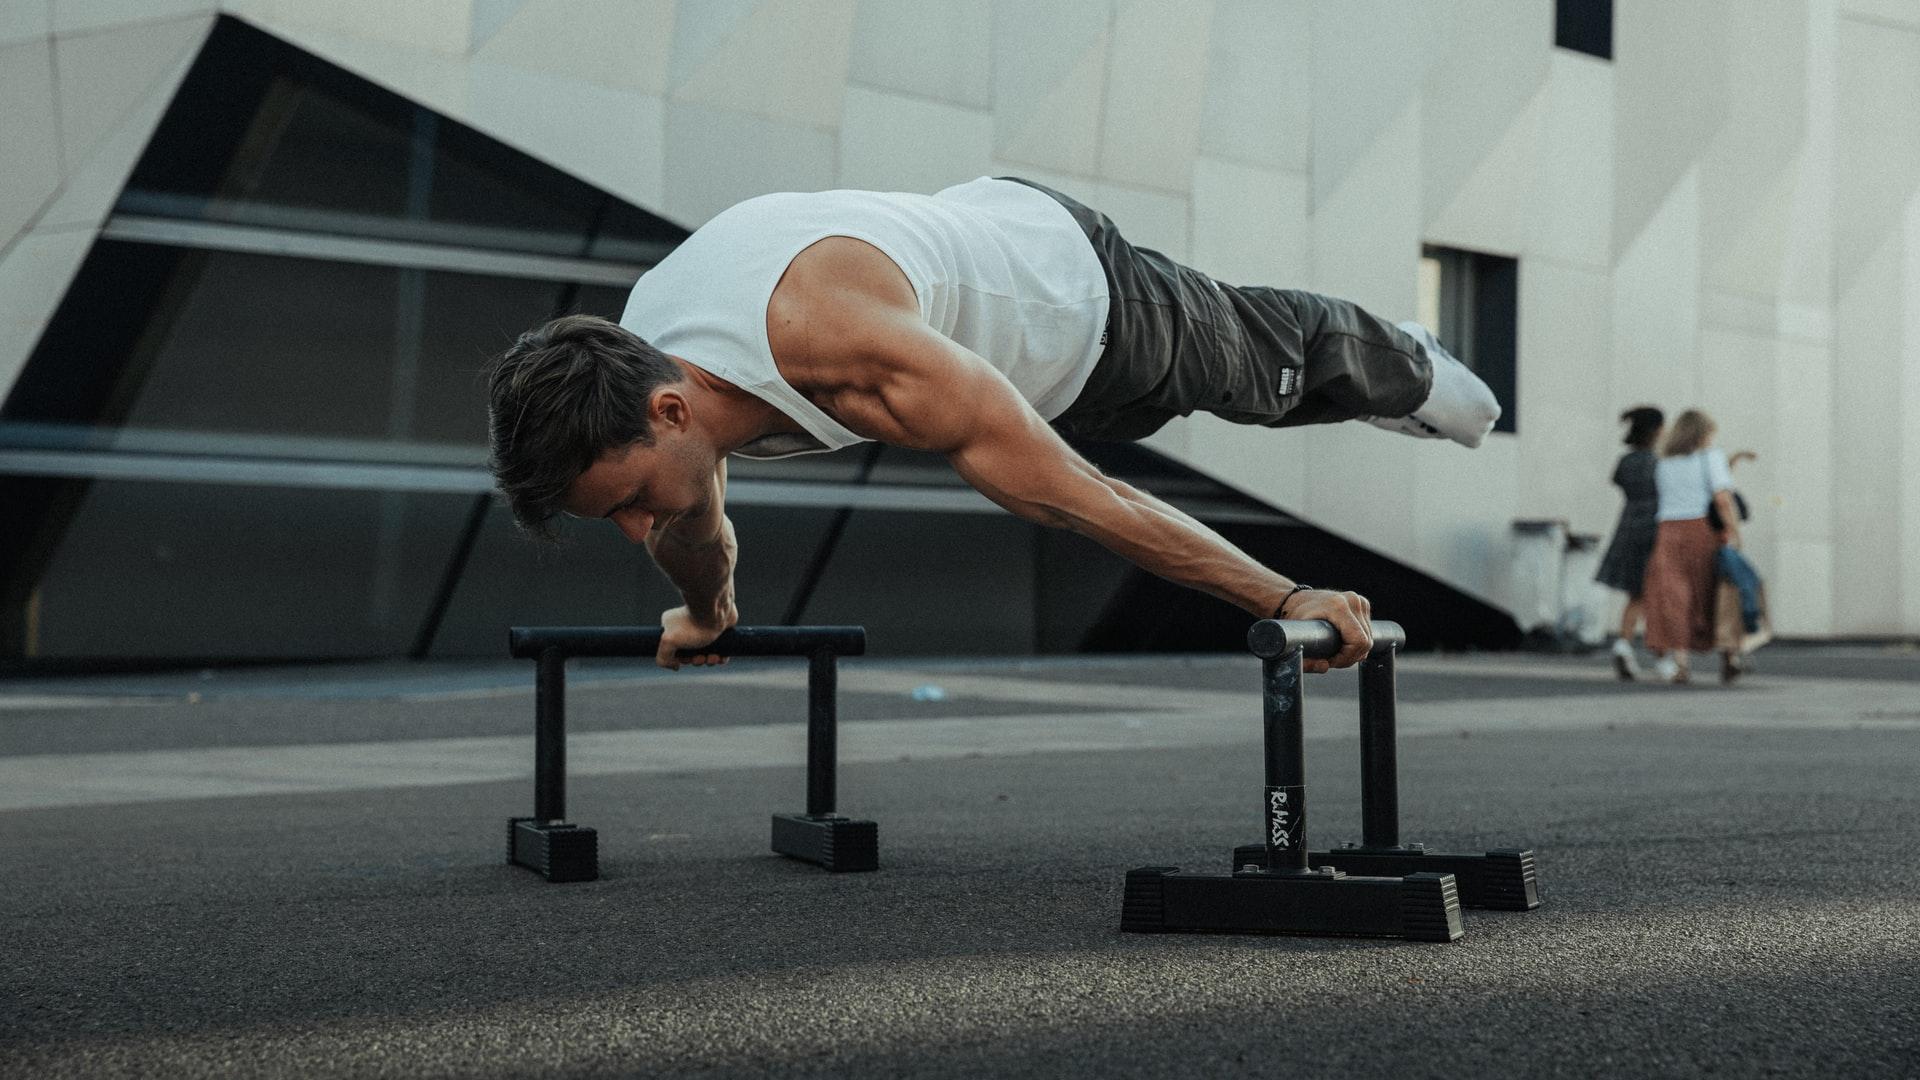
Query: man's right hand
{"type": "Point", "coordinates": [1349, 612]}
{"type": "Point", "coordinates": [679, 631]}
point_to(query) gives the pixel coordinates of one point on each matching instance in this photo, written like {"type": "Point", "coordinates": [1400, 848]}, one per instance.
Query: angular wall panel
{"type": "Point", "coordinates": [104, 75]}
{"type": "Point", "coordinates": [1802, 456]}
{"type": "Point", "coordinates": [1495, 62]}
{"type": "Point", "coordinates": [1894, 12]}
{"type": "Point", "coordinates": [1568, 436]}
{"type": "Point", "coordinates": [1250, 224]}
{"type": "Point", "coordinates": [1747, 172]}
{"type": "Point", "coordinates": [1800, 593]}
{"type": "Point", "coordinates": [952, 144]}
{"type": "Point", "coordinates": [700, 27]}
{"type": "Point", "coordinates": [1908, 473]}
{"type": "Point", "coordinates": [614, 142]}
{"type": "Point", "coordinates": [715, 158]}
{"type": "Point", "coordinates": [1868, 433]}
{"type": "Point", "coordinates": [84, 16]}
{"type": "Point", "coordinates": [1156, 81]}
{"type": "Point", "coordinates": [1049, 78]}
{"type": "Point", "coordinates": [1571, 215]}
{"type": "Point", "coordinates": [489, 16]}
{"type": "Point", "coordinates": [29, 135]}
{"type": "Point", "coordinates": [1656, 307]}
{"type": "Point", "coordinates": [432, 78]}
{"type": "Point", "coordinates": [91, 188]}
{"type": "Point", "coordinates": [1747, 252]}
{"type": "Point", "coordinates": [1671, 98]}
{"type": "Point", "coordinates": [939, 49]}
{"type": "Point", "coordinates": [34, 273]}
{"type": "Point", "coordinates": [1369, 59]}
{"type": "Point", "coordinates": [623, 44]}
{"type": "Point", "coordinates": [1268, 463]}
{"type": "Point", "coordinates": [1877, 155]}
{"type": "Point", "coordinates": [1366, 231]}
{"type": "Point", "coordinates": [1737, 371]}
{"type": "Point", "coordinates": [25, 20]}
{"type": "Point", "coordinates": [787, 60]}
{"type": "Point", "coordinates": [1258, 106]}
{"type": "Point", "coordinates": [444, 27]}
{"type": "Point", "coordinates": [1490, 210]}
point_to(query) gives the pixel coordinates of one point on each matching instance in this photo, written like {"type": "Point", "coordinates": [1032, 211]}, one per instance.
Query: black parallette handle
{"type": "Point", "coordinates": [1269, 638]}
{"type": "Point", "coordinates": [528, 642]}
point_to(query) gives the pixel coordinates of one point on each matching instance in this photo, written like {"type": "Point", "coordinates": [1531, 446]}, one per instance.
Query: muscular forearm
{"type": "Point", "coordinates": [702, 569]}
{"type": "Point", "coordinates": [1167, 542]}
{"type": "Point", "coordinates": [1126, 521]}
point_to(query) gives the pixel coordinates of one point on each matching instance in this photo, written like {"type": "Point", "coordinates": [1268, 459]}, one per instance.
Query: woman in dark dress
{"type": "Point", "coordinates": [1624, 566]}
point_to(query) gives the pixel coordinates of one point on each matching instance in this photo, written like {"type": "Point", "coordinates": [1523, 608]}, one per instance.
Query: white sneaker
{"type": "Point", "coordinates": [1667, 669]}
{"type": "Point", "coordinates": [1459, 407]}
{"type": "Point", "coordinates": [1625, 663]}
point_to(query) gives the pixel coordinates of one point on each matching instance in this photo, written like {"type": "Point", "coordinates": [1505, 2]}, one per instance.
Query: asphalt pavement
{"type": "Point", "coordinates": [300, 872]}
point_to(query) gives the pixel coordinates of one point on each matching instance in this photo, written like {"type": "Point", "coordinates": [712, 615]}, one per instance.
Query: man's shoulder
{"type": "Point", "coordinates": [832, 267]}
{"type": "Point", "coordinates": [837, 297]}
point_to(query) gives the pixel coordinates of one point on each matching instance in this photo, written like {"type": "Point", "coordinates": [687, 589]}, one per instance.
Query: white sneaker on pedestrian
{"type": "Point", "coordinates": [1459, 407]}
{"type": "Point", "coordinates": [1625, 664]}
{"type": "Point", "coordinates": [1667, 669]}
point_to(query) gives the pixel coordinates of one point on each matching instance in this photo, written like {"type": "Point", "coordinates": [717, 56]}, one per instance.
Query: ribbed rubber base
{"type": "Point", "coordinates": [1419, 907]}
{"type": "Point", "coordinates": [1499, 880]}
{"type": "Point", "coordinates": [556, 851]}
{"type": "Point", "coordinates": [837, 843]}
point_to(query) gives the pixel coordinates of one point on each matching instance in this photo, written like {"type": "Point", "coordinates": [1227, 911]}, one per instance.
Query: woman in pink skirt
{"type": "Point", "coordinates": [1692, 476]}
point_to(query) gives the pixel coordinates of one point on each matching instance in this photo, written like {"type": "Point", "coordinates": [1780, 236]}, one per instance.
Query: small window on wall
{"type": "Point", "coordinates": [1472, 301]}
{"type": "Point", "coordinates": [1584, 26]}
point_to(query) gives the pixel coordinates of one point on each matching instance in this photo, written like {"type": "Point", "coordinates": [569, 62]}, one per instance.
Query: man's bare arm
{"type": "Point", "coordinates": [697, 553]}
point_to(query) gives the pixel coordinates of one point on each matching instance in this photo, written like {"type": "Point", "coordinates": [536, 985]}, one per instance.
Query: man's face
{"type": "Point", "coordinates": [644, 488]}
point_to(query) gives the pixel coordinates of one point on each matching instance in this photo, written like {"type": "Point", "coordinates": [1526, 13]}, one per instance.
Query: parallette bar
{"type": "Point", "coordinates": [528, 642]}
{"type": "Point", "coordinates": [1317, 638]}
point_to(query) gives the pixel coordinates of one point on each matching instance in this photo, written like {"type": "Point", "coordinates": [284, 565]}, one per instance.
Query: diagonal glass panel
{"type": "Point", "coordinates": [259, 130]}
{"type": "Point", "coordinates": [304, 271]}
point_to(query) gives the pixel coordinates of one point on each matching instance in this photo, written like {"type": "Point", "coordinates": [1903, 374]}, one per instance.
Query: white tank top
{"type": "Point", "coordinates": [998, 267]}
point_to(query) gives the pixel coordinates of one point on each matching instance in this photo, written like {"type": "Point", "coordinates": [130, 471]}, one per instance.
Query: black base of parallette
{"type": "Point", "coordinates": [1501, 880]}
{"type": "Point", "coordinates": [1162, 899]}
{"type": "Point", "coordinates": [837, 843]}
{"type": "Point", "coordinates": [555, 850]}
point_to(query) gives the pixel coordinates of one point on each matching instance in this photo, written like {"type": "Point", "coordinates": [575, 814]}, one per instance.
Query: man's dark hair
{"type": "Point", "coordinates": [562, 396]}
{"type": "Point", "coordinates": [1643, 425]}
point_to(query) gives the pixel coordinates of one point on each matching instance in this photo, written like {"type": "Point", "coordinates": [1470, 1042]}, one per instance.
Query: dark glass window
{"type": "Point", "coordinates": [183, 339]}
{"type": "Point", "coordinates": [263, 133]}
{"type": "Point", "coordinates": [1472, 301]}
{"type": "Point", "coordinates": [1584, 26]}
{"type": "Point", "coordinates": [180, 571]}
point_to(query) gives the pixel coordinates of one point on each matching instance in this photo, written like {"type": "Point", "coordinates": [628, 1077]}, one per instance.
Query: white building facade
{"type": "Point", "coordinates": [1724, 214]}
